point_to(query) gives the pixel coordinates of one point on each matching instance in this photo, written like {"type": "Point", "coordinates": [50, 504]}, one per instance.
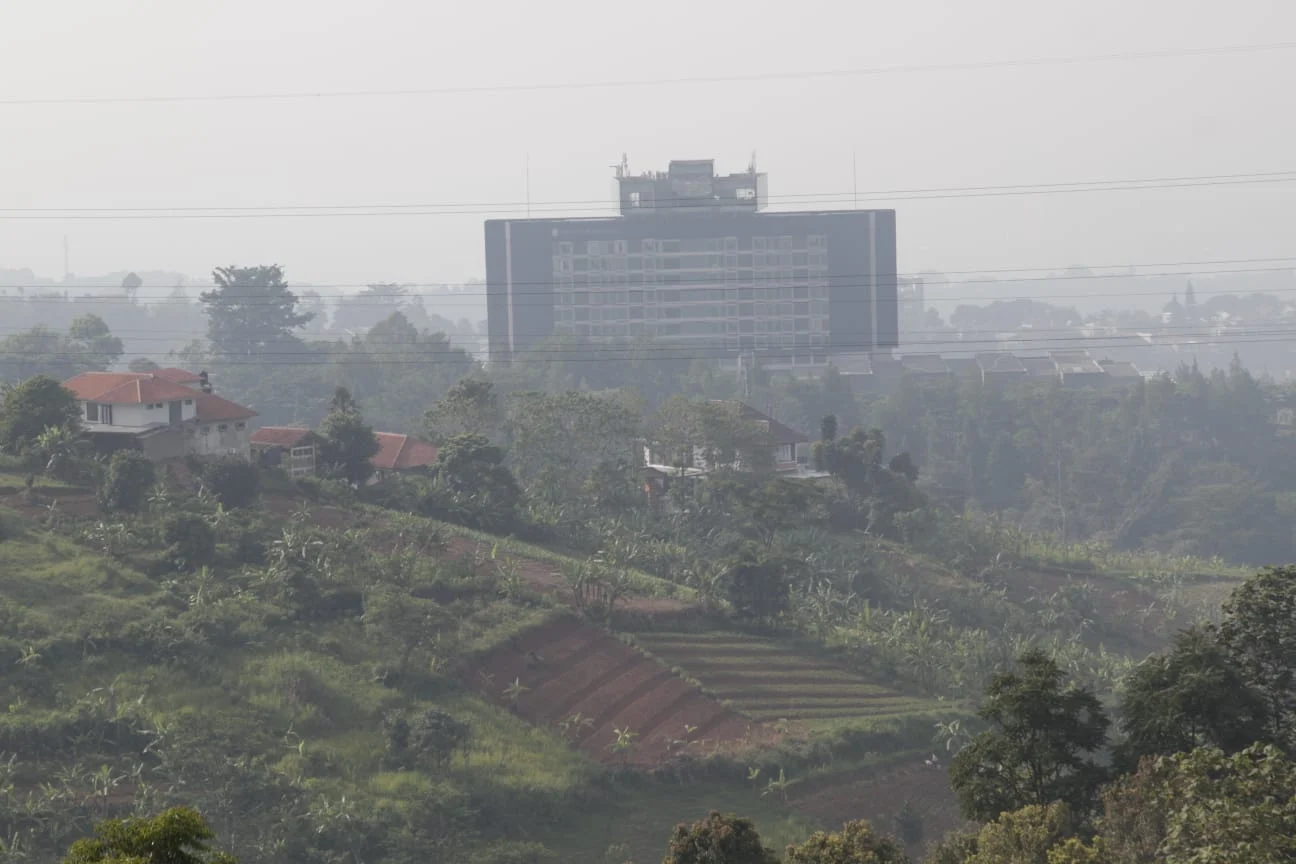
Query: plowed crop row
{"type": "Point", "coordinates": [596, 690]}
{"type": "Point", "coordinates": [770, 680]}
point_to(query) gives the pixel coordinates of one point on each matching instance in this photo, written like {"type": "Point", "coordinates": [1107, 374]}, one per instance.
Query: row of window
{"type": "Point", "coordinates": [818, 309]}
{"type": "Point", "coordinates": [744, 325]}
{"type": "Point", "coordinates": [695, 329]}
{"type": "Point", "coordinates": [652, 246]}
{"type": "Point", "coordinates": [815, 260]}
{"type": "Point", "coordinates": [615, 297]}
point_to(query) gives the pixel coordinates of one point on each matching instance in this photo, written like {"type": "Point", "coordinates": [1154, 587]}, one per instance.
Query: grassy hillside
{"type": "Point", "coordinates": [336, 676]}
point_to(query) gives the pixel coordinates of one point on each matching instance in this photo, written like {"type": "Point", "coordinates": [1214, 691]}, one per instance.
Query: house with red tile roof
{"type": "Point", "coordinates": [156, 413]}
{"type": "Point", "coordinates": [292, 448]}
{"type": "Point", "coordinates": [297, 450]}
{"type": "Point", "coordinates": [400, 453]}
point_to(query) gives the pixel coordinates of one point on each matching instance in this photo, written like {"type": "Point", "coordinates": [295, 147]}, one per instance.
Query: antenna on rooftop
{"type": "Point", "coordinates": [751, 166]}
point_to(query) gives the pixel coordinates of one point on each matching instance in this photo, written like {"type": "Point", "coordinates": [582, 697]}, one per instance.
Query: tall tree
{"type": "Point", "coordinates": [1194, 695]}
{"type": "Point", "coordinates": [1040, 746]}
{"type": "Point", "coordinates": [1259, 631]}
{"type": "Point", "coordinates": [250, 309]}
{"type": "Point", "coordinates": [718, 839]}
{"type": "Point", "coordinates": [175, 836]}
{"type": "Point", "coordinates": [470, 406]}
{"type": "Point", "coordinates": [91, 344]}
{"type": "Point", "coordinates": [33, 406]}
{"type": "Point", "coordinates": [348, 441]}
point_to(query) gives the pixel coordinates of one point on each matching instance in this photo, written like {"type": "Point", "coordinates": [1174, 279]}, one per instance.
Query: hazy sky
{"type": "Point", "coordinates": [1216, 114]}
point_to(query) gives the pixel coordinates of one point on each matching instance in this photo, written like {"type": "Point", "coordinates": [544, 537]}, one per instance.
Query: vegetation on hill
{"type": "Point", "coordinates": [520, 654]}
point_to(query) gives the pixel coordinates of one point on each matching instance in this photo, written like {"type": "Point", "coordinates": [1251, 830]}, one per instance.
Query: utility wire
{"type": "Point", "coordinates": [545, 301]}
{"type": "Point", "coordinates": [534, 87]}
{"type": "Point", "coordinates": [803, 197]}
{"type": "Point", "coordinates": [136, 216]}
{"type": "Point", "coordinates": [710, 347]}
{"type": "Point", "coordinates": [438, 292]}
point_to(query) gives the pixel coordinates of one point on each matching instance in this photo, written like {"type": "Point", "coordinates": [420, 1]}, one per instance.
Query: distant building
{"type": "Point", "coordinates": [159, 414]}
{"type": "Point", "coordinates": [991, 368]}
{"type": "Point", "coordinates": [694, 260]}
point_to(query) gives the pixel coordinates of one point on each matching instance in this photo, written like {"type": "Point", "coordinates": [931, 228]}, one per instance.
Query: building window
{"type": "Point", "coordinates": [222, 427]}
{"type": "Point", "coordinates": [92, 412]}
{"type": "Point", "coordinates": [240, 425]}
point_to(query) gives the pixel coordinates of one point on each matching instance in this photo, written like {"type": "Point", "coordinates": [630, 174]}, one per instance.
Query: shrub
{"type": "Point", "coordinates": [234, 482]}
{"type": "Point", "coordinates": [191, 541]}
{"type": "Point", "coordinates": [127, 481]}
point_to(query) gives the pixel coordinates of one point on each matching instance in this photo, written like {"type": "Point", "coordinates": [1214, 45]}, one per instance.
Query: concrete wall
{"type": "Point", "coordinates": [213, 440]}
{"type": "Point", "coordinates": [164, 444]}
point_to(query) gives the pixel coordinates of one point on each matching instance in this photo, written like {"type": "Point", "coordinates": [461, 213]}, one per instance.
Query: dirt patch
{"type": "Point", "coordinates": [44, 503]}
{"type": "Point", "coordinates": [585, 684]}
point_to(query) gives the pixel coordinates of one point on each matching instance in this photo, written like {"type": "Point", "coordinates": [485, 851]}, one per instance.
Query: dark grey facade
{"type": "Point", "coordinates": [791, 288]}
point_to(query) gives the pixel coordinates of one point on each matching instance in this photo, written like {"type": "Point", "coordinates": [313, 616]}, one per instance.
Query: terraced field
{"type": "Point", "coordinates": [770, 680]}
{"type": "Point", "coordinates": [581, 681]}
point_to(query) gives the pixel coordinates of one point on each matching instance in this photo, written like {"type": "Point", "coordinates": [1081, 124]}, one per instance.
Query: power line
{"type": "Point", "coordinates": [801, 197]}
{"type": "Point", "coordinates": [535, 87]}
{"type": "Point", "coordinates": [928, 195]}
{"type": "Point", "coordinates": [543, 292]}
{"type": "Point", "coordinates": [677, 349]}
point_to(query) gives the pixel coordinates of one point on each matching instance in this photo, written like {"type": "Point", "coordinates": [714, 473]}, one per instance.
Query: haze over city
{"type": "Point", "coordinates": [839, 136]}
{"type": "Point", "coordinates": [697, 433]}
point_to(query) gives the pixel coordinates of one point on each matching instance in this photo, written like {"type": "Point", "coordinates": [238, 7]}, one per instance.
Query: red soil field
{"type": "Point", "coordinates": [578, 669]}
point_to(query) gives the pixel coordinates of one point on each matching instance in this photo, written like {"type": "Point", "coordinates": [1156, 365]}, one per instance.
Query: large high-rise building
{"type": "Point", "coordinates": [694, 259]}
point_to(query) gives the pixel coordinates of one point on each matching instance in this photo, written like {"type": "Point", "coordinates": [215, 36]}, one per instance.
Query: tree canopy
{"type": "Point", "coordinates": [1040, 746]}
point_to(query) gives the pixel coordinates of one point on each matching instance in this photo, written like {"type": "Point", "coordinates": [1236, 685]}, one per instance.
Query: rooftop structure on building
{"type": "Point", "coordinates": [694, 259]}
{"type": "Point", "coordinates": [689, 184]}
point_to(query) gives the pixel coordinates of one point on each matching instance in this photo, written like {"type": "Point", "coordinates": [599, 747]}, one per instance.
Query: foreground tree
{"type": "Point", "coordinates": [175, 836]}
{"type": "Point", "coordinates": [1259, 632]}
{"type": "Point", "coordinates": [855, 843]}
{"type": "Point", "coordinates": [718, 839]}
{"type": "Point", "coordinates": [1039, 748]}
{"type": "Point", "coordinates": [250, 309]}
{"type": "Point", "coordinates": [348, 441]}
{"type": "Point", "coordinates": [1194, 695]}
{"type": "Point", "coordinates": [33, 406]}
{"type": "Point", "coordinates": [1203, 807]}
{"type": "Point", "coordinates": [1023, 836]}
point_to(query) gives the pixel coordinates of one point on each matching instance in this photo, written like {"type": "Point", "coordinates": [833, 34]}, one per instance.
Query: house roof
{"type": "Point", "coordinates": [176, 376]}
{"type": "Point", "coordinates": [925, 364]}
{"type": "Point", "coordinates": [126, 388]}
{"type": "Point", "coordinates": [280, 436]}
{"type": "Point", "coordinates": [779, 433]}
{"type": "Point", "coordinates": [1075, 363]}
{"type": "Point", "coordinates": [401, 452]}
{"type": "Point", "coordinates": [1000, 362]}
{"type": "Point", "coordinates": [1039, 367]}
{"type": "Point", "coordinates": [963, 367]}
{"type": "Point", "coordinates": [1120, 368]}
{"type": "Point", "coordinates": [213, 408]}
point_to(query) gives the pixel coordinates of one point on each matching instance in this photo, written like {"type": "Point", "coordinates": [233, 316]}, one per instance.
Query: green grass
{"type": "Point", "coordinates": [642, 816]}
